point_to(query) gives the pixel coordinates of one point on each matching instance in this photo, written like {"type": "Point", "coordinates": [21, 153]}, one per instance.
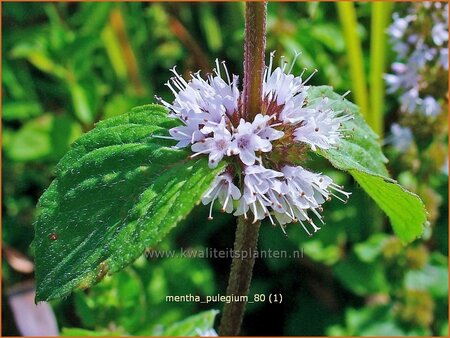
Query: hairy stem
{"type": "Point", "coordinates": [247, 232]}
{"type": "Point", "coordinates": [240, 275]}
{"type": "Point", "coordinates": [254, 48]}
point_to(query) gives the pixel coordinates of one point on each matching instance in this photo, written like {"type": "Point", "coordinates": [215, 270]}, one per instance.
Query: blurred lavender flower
{"type": "Point", "coordinates": [445, 167]}
{"type": "Point", "coordinates": [431, 106]}
{"type": "Point", "coordinates": [439, 33]}
{"type": "Point", "coordinates": [420, 40]}
{"type": "Point", "coordinates": [443, 57]}
{"type": "Point", "coordinates": [400, 138]}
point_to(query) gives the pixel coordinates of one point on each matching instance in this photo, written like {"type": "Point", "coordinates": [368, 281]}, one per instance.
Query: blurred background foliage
{"type": "Point", "coordinates": [68, 65]}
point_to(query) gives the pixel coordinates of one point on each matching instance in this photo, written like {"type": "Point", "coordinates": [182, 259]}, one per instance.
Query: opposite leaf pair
{"type": "Point", "coordinates": [119, 191]}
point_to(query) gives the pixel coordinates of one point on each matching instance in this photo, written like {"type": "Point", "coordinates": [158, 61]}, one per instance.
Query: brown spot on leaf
{"type": "Point", "coordinates": [102, 270]}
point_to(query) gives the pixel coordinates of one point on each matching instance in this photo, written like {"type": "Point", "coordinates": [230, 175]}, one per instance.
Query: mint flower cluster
{"type": "Point", "coordinates": [263, 177]}
{"type": "Point", "coordinates": [420, 40]}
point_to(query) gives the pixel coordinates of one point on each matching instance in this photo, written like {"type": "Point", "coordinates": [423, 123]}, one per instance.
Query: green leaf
{"type": "Point", "coordinates": [118, 191]}
{"type": "Point", "coordinates": [443, 331]}
{"type": "Point", "coordinates": [196, 325]}
{"type": "Point", "coordinates": [329, 35]}
{"type": "Point", "coordinates": [31, 142]}
{"type": "Point", "coordinates": [370, 320]}
{"type": "Point", "coordinates": [320, 252]}
{"type": "Point", "coordinates": [134, 299]}
{"type": "Point", "coordinates": [406, 211]}
{"type": "Point", "coordinates": [45, 137]}
{"type": "Point", "coordinates": [369, 250]}
{"type": "Point", "coordinates": [211, 28]}
{"type": "Point", "coordinates": [82, 104]}
{"type": "Point", "coordinates": [431, 278]}
{"type": "Point", "coordinates": [118, 299]}
{"type": "Point", "coordinates": [360, 154]}
{"type": "Point", "coordinates": [77, 332]}
{"type": "Point", "coordinates": [20, 110]}
{"type": "Point", "coordinates": [36, 52]}
{"type": "Point", "coordinates": [360, 277]}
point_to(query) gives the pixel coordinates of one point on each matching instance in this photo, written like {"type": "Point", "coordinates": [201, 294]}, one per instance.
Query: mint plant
{"type": "Point", "coordinates": [125, 184]}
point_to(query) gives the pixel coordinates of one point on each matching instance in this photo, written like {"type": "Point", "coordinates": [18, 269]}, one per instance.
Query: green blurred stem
{"type": "Point", "coordinates": [190, 42]}
{"type": "Point", "coordinates": [381, 13]}
{"type": "Point", "coordinates": [120, 52]}
{"type": "Point", "coordinates": [254, 52]}
{"type": "Point", "coordinates": [117, 23]}
{"type": "Point", "coordinates": [347, 17]}
{"type": "Point", "coordinates": [240, 275]}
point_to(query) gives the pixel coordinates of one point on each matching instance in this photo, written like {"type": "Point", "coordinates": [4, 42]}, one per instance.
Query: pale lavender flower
{"type": "Point", "coordinates": [439, 33]}
{"type": "Point", "coordinates": [410, 100]}
{"type": "Point", "coordinates": [247, 142]}
{"type": "Point", "coordinates": [399, 25]}
{"type": "Point", "coordinates": [187, 134]}
{"type": "Point", "coordinates": [443, 58]}
{"type": "Point", "coordinates": [302, 191]}
{"type": "Point", "coordinates": [216, 146]}
{"type": "Point", "coordinates": [401, 137]}
{"type": "Point", "coordinates": [258, 182]}
{"type": "Point", "coordinates": [444, 168]}
{"type": "Point", "coordinates": [422, 53]}
{"type": "Point", "coordinates": [223, 189]}
{"type": "Point", "coordinates": [262, 128]}
{"type": "Point", "coordinates": [405, 77]}
{"type": "Point", "coordinates": [212, 124]}
{"type": "Point", "coordinates": [287, 90]}
{"type": "Point", "coordinates": [321, 129]}
{"type": "Point", "coordinates": [430, 106]}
